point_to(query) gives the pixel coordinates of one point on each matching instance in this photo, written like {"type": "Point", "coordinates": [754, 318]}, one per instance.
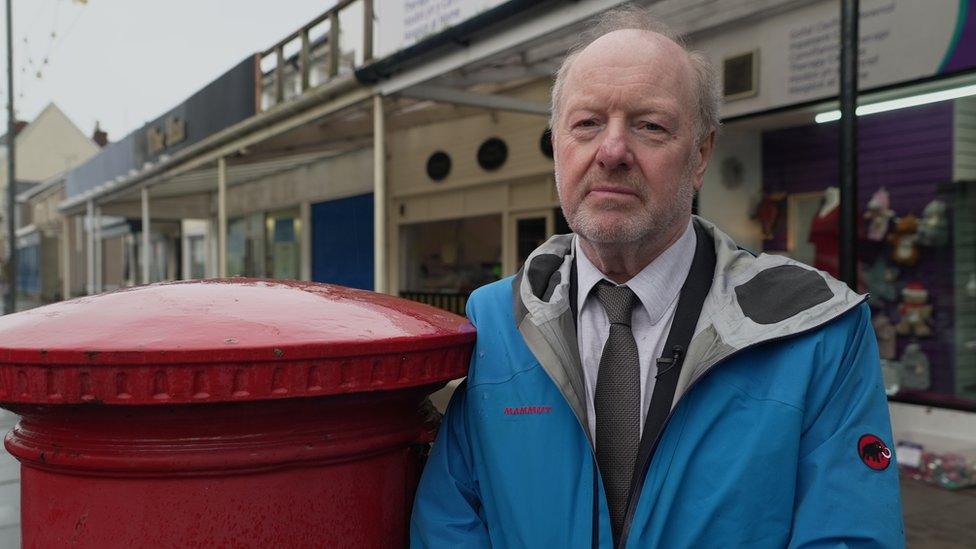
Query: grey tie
{"type": "Point", "coordinates": [617, 402]}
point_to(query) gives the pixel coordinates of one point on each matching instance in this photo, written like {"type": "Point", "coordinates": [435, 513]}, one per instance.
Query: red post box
{"type": "Point", "coordinates": [227, 413]}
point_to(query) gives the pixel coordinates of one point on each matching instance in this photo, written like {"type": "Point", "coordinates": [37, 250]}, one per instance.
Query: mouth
{"type": "Point", "coordinates": [611, 191]}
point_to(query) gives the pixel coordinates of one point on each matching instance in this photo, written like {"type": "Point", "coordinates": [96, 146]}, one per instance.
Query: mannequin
{"type": "Point", "coordinates": [825, 233]}
{"type": "Point", "coordinates": [831, 201]}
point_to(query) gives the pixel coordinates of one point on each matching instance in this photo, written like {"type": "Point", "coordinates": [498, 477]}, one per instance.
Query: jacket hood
{"type": "Point", "coordinates": [752, 300]}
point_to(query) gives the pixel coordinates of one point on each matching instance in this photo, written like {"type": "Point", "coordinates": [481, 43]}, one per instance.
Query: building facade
{"type": "Point", "coordinates": [409, 164]}
{"type": "Point", "coordinates": [47, 147]}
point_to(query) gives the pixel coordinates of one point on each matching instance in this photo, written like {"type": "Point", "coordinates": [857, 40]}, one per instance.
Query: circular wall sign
{"type": "Point", "coordinates": [492, 154]}
{"type": "Point", "coordinates": [438, 166]}
{"type": "Point", "coordinates": [545, 143]}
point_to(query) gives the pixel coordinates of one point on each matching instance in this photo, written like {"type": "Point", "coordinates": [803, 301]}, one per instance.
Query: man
{"type": "Point", "coordinates": [644, 382]}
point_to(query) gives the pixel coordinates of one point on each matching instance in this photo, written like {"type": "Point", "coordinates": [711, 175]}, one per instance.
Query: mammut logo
{"type": "Point", "coordinates": [874, 452]}
{"type": "Point", "coordinates": [522, 410]}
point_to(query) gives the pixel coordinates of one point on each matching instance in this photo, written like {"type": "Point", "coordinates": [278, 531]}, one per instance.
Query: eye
{"type": "Point", "coordinates": [585, 123]}
{"type": "Point", "coordinates": [650, 126]}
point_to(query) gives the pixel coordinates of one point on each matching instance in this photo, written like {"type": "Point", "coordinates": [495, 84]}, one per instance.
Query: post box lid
{"type": "Point", "coordinates": [226, 340]}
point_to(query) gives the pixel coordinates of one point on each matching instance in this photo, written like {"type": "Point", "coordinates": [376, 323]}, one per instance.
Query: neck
{"type": "Point", "coordinates": [621, 261]}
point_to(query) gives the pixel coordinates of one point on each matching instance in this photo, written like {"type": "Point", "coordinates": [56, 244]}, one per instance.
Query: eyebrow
{"type": "Point", "coordinates": [570, 109]}
{"type": "Point", "coordinates": [582, 102]}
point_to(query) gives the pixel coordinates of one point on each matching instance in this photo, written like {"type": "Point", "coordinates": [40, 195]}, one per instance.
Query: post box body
{"type": "Point", "coordinates": [302, 428]}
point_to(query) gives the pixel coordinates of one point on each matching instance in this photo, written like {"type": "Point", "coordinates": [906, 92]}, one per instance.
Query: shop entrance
{"type": "Point", "coordinates": [442, 262]}
{"type": "Point", "coordinates": [529, 229]}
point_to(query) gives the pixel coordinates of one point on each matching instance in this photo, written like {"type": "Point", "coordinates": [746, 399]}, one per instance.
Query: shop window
{"type": "Point", "coordinates": [245, 246]}
{"type": "Point", "coordinates": [916, 237]}
{"type": "Point", "coordinates": [284, 254]}
{"type": "Point", "coordinates": [28, 270]}
{"type": "Point", "coordinates": [198, 256]}
{"type": "Point", "coordinates": [442, 262]}
{"type": "Point", "coordinates": [265, 245]}
{"type": "Point", "coordinates": [162, 264]}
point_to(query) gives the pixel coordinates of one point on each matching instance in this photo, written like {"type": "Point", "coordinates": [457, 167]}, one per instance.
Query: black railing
{"type": "Point", "coordinates": [453, 302]}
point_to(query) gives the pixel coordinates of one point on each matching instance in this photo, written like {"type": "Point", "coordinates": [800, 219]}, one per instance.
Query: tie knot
{"type": "Point", "coordinates": [618, 301]}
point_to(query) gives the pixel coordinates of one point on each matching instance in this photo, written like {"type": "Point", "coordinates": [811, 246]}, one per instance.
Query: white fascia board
{"type": "Point", "coordinates": [454, 96]}
{"type": "Point", "coordinates": [556, 19]}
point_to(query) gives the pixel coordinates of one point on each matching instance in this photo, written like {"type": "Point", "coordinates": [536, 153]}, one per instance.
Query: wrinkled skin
{"type": "Point", "coordinates": [627, 157]}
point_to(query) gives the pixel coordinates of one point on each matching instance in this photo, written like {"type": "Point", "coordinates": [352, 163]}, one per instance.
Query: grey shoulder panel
{"type": "Point", "coordinates": [543, 273]}
{"type": "Point", "coordinates": [780, 292]}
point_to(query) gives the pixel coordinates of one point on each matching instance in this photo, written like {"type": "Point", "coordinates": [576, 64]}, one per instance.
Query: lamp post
{"type": "Point", "coordinates": [848, 141]}
{"type": "Point", "coordinates": [9, 298]}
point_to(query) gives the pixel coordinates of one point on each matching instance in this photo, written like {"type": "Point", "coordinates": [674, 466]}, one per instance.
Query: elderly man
{"type": "Point", "coordinates": [644, 382]}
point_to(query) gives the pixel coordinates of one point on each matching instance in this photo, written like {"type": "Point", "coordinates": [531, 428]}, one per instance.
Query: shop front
{"type": "Point", "coordinates": [774, 178]}
{"type": "Point", "coordinates": [40, 245]}
{"type": "Point", "coordinates": [265, 245]}
{"type": "Point", "coordinates": [308, 220]}
{"type": "Point", "coordinates": [471, 197]}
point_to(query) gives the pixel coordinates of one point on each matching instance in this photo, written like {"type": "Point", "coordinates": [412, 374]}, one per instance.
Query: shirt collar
{"type": "Point", "coordinates": [657, 285]}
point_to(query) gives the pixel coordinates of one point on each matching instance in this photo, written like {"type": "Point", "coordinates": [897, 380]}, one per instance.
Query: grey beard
{"type": "Point", "coordinates": [644, 224]}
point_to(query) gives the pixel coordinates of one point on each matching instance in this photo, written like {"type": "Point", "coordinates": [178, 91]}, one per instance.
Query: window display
{"type": "Point", "coordinates": [825, 233]}
{"type": "Point", "coordinates": [916, 243]}
{"type": "Point", "coordinates": [453, 256]}
{"type": "Point", "coordinates": [879, 215]}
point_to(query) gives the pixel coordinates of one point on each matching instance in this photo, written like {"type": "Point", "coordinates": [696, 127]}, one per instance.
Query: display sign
{"type": "Point", "coordinates": [171, 133]}
{"type": "Point", "coordinates": [223, 102]}
{"type": "Point", "coordinates": [401, 24]}
{"type": "Point", "coordinates": [900, 41]}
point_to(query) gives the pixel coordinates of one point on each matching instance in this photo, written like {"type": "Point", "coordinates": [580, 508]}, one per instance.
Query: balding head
{"type": "Point", "coordinates": [616, 35]}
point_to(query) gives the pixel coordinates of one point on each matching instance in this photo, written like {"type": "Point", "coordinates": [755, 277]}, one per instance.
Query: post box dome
{"type": "Point", "coordinates": [226, 340]}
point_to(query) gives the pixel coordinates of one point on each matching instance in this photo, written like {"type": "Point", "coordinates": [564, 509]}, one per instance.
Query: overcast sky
{"type": "Point", "coordinates": [124, 62]}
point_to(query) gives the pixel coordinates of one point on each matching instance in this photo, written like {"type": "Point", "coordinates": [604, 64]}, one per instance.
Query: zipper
{"type": "Point", "coordinates": [645, 467]}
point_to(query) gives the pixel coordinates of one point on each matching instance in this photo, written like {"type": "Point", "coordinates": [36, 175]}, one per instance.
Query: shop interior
{"type": "Point", "coordinates": [774, 186]}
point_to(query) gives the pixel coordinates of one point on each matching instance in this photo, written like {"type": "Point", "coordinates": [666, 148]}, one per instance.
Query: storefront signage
{"type": "Point", "coordinates": [172, 132]}
{"type": "Point", "coordinates": [900, 41]}
{"type": "Point", "coordinates": [402, 24]}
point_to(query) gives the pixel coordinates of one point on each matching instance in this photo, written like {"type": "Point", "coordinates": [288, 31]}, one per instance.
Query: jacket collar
{"type": "Point", "coordinates": [657, 285]}
{"type": "Point", "coordinates": [752, 300]}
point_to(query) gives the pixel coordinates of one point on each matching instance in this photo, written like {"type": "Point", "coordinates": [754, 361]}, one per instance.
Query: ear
{"type": "Point", "coordinates": [704, 153]}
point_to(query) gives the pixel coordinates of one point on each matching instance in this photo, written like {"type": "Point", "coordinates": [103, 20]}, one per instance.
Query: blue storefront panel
{"type": "Point", "coordinates": [342, 241]}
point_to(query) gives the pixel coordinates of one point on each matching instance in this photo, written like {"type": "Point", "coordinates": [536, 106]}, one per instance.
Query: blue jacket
{"type": "Point", "coordinates": [768, 444]}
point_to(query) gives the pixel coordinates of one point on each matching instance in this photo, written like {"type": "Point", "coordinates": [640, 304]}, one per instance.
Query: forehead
{"type": "Point", "coordinates": [630, 69]}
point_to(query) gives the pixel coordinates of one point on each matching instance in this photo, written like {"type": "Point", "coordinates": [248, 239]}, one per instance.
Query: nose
{"type": "Point", "coordinates": [614, 152]}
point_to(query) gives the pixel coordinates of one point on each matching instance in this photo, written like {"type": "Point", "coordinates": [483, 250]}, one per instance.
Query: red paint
{"type": "Point", "coordinates": [874, 452]}
{"type": "Point", "coordinates": [143, 424]}
{"type": "Point", "coordinates": [523, 410]}
{"type": "Point", "coordinates": [226, 340]}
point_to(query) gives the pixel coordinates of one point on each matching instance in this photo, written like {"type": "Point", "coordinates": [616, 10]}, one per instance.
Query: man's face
{"type": "Point", "coordinates": [627, 158]}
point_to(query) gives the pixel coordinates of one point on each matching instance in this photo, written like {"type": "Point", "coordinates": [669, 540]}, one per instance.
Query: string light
{"type": "Point", "coordinates": [54, 39]}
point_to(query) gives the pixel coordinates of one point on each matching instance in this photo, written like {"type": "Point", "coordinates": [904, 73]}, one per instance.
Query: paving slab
{"type": "Point", "coordinates": [936, 518]}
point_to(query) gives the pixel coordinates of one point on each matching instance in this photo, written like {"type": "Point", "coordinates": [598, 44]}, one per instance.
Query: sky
{"type": "Point", "coordinates": [124, 62]}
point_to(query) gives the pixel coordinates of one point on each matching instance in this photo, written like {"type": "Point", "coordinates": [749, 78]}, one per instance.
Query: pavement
{"type": "Point", "coordinates": [936, 518]}
{"type": "Point", "coordinates": [9, 489]}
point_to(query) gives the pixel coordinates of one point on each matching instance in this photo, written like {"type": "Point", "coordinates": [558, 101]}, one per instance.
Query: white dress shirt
{"type": "Point", "coordinates": [657, 287]}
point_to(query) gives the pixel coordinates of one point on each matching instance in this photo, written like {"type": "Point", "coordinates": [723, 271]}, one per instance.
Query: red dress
{"type": "Point", "coordinates": [825, 237]}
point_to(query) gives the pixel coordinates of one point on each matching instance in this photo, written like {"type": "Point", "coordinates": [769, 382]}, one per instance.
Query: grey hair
{"type": "Point", "coordinates": [631, 17]}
